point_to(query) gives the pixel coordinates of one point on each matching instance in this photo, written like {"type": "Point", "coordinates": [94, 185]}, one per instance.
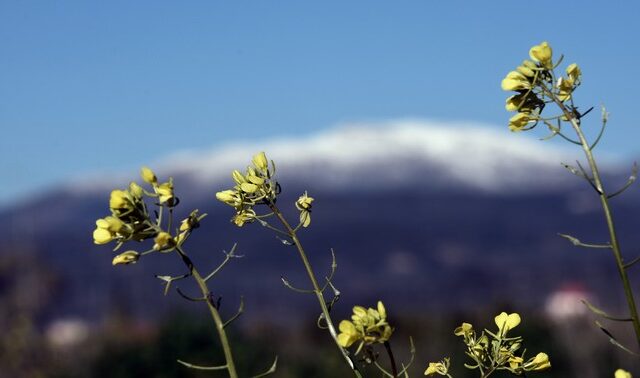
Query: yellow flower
{"type": "Point", "coordinates": [244, 216]}
{"type": "Point", "coordinates": [127, 257]}
{"type": "Point", "coordinates": [238, 177]}
{"type": "Point", "coordinates": [192, 221]}
{"type": "Point", "coordinates": [256, 180]}
{"type": "Point", "coordinates": [382, 311]}
{"type": "Point", "coordinates": [304, 205]}
{"type": "Point", "coordinates": [542, 53]}
{"type": "Point", "coordinates": [529, 64]}
{"type": "Point", "coordinates": [539, 362]}
{"type": "Point", "coordinates": [565, 88]}
{"type": "Point", "coordinates": [465, 330]}
{"type": "Point", "coordinates": [574, 72]}
{"type": "Point", "coordinates": [102, 236]}
{"type": "Point", "coordinates": [367, 326]}
{"type": "Point", "coordinates": [566, 85]}
{"type": "Point", "coordinates": [441, 367]}
{"type": "Point", "coordinates": [120, 200]}
{"type": "Point", "coordinates": [479, 348]}
{"type": "Point", "coordinates": [230, 197]}
{"type": "Point", "coordinates": [135, 190]}
{"type": "Point", "coordinates": [523, 102]}
{"type": "Point", "coordinates": [519, 121]}
{"type": "Point", "coordinates": [515, 81]}
{"type": "Point", "coordinates": [107, 229]}
{"type": "Point", "coordinates": [162, 241]}
{"type": "Point", "coordinates": [165, 192]}
{"type": "Point", "coordinates": [304, 202]}
{"type": "Point", "coordinates": [507, 322]}
{"type": "Point", "coordinates": [248, 187]}
{"type": "Point", "coordinates": [110, 223]}
{"type": "Point", "coordinates": [260, 161]}
{"type": "Point", "coordinates": [148, 176]}
{"type": "Point", "coordinates": [515, 362]}
{"type": "Point", "coordinates": [622, 374]}
{"type": "Point", "coordinates": [348, 334]}
{"type": "Point", "coordinates": [526, 71]}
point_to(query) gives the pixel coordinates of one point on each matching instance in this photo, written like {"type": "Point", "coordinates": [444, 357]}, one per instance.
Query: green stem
{"type": "Point", "coordinates": [316, 287]}
{"type": "Point", "coordinates": [215, 315]}
{"type": "Point", "coordinates": [488, 373]}
{"type": "Point", "coordinates": [615, 246]}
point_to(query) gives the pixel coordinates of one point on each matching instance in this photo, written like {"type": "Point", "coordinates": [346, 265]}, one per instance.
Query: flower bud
{"type": "Point", "coordinates": [465, 329]}
{"type": "Point", "coordinates": [119, 200]}
{"type": "Point", "coordinates": [230, 197]}
{"type": "Point", "coordinates": [526, 71]}
{"type": "Point", "coordinates": [248, 187]}
{"type": "Point", "coordinates": [148, 176]}
{"type": "Point", "coordinates": [162, 241]}
{"type": "Point", "coordinates": [128, 257]}
{"type": "Point", "coordinates": [102, 236]}
{"type": "Point", "coordinates": [515, 81]}
{"type": "Point", "coordinates": [519, 121]}
{"type": "Point", "coordinates": [238, 177]}
{"type": "Point", "coordinates": [541, 53]}
{"type": "Point", "coordinates": [165, 192]}
{"type": "Point", "coordinates": [135, 190]}
{"type": "Point", "coordinates": [539, 362]}
{"type": "Point", "coordinates": [260, 161]}
{"type": "Point", "coordinates": [574, 72]}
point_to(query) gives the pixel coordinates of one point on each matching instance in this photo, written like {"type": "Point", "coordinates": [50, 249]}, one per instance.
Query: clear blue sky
{"type": "Point", "coordinates": [86, 86]}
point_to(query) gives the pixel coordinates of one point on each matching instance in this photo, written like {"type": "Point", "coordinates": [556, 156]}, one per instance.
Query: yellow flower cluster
{"type": "Point", "coordinates": [129, 219]}
{"type": "Point", "coordinates": [566, 85]}
{"type": "Point", "coordinates": [254, 187]}
{"type": "Point", "coordinates": [524, 80]}
{"type": "Point", "coordinates": [534, 82]}
{"type": "Point", "coordinates": [163, 191]}
{"type": "Point", "coordinates": [497, 351]}
{"type": "Point", "coordinates": [368, 326]}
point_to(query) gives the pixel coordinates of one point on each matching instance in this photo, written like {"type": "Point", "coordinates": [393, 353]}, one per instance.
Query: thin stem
{"type": "Point", "coordinates": [615, 246]}
{"type": "Point", "coordinates": [394, 369]}
{"type": "Point", "coordinates": [227, 257]}
{"type": "Point", "coordinates": [316, 287]}
{"type": "Point", "coordinates": [215, 315]}
{"type": "Point", "coordinates": [488, 373]}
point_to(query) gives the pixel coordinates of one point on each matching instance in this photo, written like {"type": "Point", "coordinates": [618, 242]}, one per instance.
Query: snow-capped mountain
{"type": "Point", "coordinates": [413, 209]}
{"type": "Point", "coordinates": [381, 155]}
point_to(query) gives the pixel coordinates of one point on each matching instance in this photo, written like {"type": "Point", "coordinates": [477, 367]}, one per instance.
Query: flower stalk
{"type": "Point", "coordinates": [317, 290]}
{"type": "Point", "coordinates": [604, 201]}
{"type": "Point", "coordinates": [545, 87]}
{"type": "Point", "coordinates": [213, 311]}
{"type": "Point", "coordinates": [131, 220]}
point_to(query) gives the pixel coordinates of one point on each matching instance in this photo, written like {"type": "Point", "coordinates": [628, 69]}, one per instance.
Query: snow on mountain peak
{"type": "Point", "coordinates": [394, 151]}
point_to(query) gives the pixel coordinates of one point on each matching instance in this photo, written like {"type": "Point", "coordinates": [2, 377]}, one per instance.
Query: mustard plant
{"type": "Point", "coordinates": [132, 220]}
{"type": "Point", "coordinates": [537, 85]}
{"type": "Point", "coordinates": [495, 351]}
{"type": "Point", "coordinates": [254, 198]}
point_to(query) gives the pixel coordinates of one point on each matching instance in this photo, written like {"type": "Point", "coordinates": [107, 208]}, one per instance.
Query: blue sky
{"type": "Point", "coordinates": [91, 86]}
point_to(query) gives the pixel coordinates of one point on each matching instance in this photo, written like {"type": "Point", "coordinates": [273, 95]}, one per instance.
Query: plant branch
{"type": "Point", "coordinates": [604, 200]}
{"type": "Point", "coordinates": [316, 287]}
{"type": "Point", "coordinates": [215, 315]}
